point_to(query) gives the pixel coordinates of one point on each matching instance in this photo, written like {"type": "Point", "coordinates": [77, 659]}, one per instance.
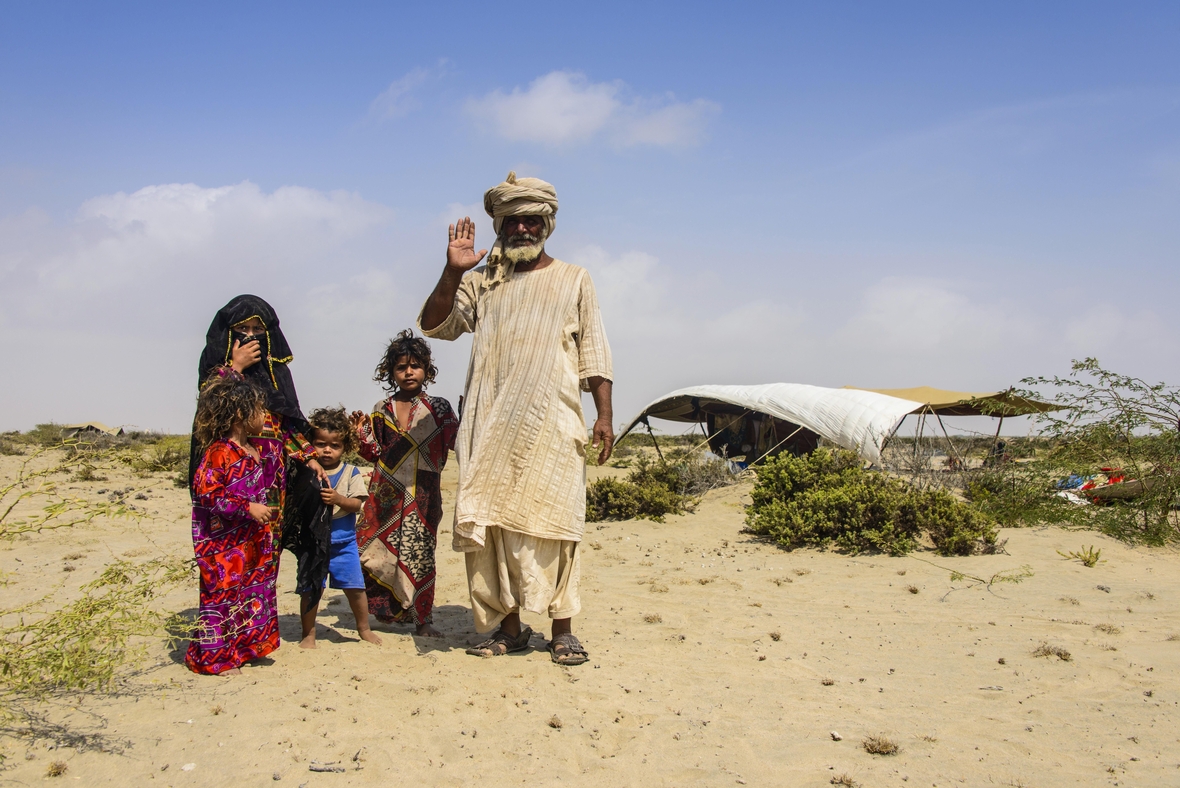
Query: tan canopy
{"type": "Point", "coordinates": [71, 430]}
{"type": "Point", "coordinates": [966, 403]}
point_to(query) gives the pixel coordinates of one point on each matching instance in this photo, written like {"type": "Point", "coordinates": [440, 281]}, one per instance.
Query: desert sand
{"type": "Point", "coordinates": [716, 659]}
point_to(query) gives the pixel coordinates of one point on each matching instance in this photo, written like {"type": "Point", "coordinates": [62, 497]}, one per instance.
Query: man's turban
{"type": "Point", "coordinates": [519, 197]}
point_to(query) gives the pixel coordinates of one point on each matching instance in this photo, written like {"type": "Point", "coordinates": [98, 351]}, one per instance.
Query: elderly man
{"type": "Point", "coordinates": [538, 342]}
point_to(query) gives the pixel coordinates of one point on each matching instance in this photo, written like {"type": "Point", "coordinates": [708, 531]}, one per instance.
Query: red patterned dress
{"type": "Point", "coordinates": [398, 528]}
{"type": "Point", "coordinates": [238, 558]}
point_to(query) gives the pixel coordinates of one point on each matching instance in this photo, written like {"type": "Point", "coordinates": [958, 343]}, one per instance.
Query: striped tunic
{"type": "Point", "coordinates": [522, 437]}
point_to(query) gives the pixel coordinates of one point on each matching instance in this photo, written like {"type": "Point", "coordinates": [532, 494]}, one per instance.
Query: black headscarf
{"type": "Point", "coordinates": [271, 372]}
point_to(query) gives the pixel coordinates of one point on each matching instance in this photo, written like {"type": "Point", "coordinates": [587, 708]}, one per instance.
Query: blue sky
{"type": "Point", "coordinates": [881, 195]}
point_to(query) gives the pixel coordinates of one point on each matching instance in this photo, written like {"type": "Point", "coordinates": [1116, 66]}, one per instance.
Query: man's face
{"type": "Point", "coordinates": [518, 231]}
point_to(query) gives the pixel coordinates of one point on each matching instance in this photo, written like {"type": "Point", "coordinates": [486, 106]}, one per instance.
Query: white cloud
{"type": "Point", "coordinates": [111, 308]}
{"type": "Point", "coordinates": [562, 108]}
{"type": "Point", "coordinates": [398, 99]}
{"type": "Point", "coordinates": [667, 333]}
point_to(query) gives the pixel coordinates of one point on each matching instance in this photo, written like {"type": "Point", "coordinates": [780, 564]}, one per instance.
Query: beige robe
{"type": "Point", "coordinates": [522, 439]}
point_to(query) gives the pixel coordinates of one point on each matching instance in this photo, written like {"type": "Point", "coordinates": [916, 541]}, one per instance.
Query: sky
{"type": "Point", "coordinates": [880, 195]}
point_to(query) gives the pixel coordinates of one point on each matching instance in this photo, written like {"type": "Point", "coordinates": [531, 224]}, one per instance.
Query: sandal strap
{"type": "Point", "coordinates": [570, 641]}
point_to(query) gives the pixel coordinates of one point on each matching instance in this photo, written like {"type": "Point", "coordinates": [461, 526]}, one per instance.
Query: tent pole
{"type": "Point", "coordinates": [950, 444]}
{"type": "Point", "coordinates": [996, 440]}
{"type": "Point", "coordinates": [654, 442]}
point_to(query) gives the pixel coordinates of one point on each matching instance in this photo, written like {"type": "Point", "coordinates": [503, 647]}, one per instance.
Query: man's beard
{"type": "Point", "coordinates": [526, 253]}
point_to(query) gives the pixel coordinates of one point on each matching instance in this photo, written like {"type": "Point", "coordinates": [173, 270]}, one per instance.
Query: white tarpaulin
{"type": "Point", "coordinates": [853, 419]}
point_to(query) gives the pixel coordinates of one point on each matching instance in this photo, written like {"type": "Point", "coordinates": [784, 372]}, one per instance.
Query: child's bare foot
{"type": "Point", "coordinates": [369, 636]}
{"type": "Point", "coordinates": [427, 631]}
{"type": "Point", "coordinates": [231, 672]}
{"type": "Point", "coordinates": [308, 642]}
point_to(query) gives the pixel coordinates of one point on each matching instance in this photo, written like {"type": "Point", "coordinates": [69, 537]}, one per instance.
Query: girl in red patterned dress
{"type": "Point", "coordinates": [407, 437]}
{"type": "Point", "coordinates": [236, 487]}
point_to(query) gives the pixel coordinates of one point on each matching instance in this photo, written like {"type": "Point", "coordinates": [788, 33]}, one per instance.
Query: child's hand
{"type": "Point", "coordinates": [242, 357]}
{"type": "Point", "coordinates": [360, 423]}
{"type": "Point", "coordinates": [318, 470]}
{"type": "Point", "coordinates": [330, 497]}
{"type": "Point", "coordinates": [263, 513]}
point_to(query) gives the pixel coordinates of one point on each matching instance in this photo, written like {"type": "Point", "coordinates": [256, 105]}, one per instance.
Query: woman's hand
{"type": "Point", "coordinates": [314, 464]}
{"type": "Point", "coordinates": [242, 357]}
{"type": "Point", "coordinates": [261, 513]}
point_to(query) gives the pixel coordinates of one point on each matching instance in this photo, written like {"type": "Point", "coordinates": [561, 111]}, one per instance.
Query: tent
{"type": "Point", "coordinates": [73, 430]}
{"type": "Point", "coordinates": [942, 402]}
{"type": "Point", "coordinates": [853, 419]}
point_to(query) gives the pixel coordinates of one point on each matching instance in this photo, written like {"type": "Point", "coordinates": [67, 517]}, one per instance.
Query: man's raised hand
{"type": "Point", "coordinates": [461, 254]}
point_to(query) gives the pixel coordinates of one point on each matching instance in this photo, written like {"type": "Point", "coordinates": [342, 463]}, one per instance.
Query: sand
{"type": "Point", "coordinates": [717, 659]}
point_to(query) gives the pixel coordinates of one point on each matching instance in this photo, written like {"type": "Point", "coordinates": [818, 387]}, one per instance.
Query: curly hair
{"type": "Point", "coordinates": [333, 420]}
{"type": "Point", "coordinates": [225, 400]}
{"type": "Point", "coordinates": [405, 344]}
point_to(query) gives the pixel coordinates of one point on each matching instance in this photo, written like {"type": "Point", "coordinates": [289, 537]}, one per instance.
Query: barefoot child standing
{"type": "Point", "coordinates": [332, 436]}
{"type": "Point", "coordinates": [236, 486]}
{"type": "Point", "coordinates": [408, 437]}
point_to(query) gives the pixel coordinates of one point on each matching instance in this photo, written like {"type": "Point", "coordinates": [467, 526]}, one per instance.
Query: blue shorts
{"type": "Point", "coordinates": [344, 565]}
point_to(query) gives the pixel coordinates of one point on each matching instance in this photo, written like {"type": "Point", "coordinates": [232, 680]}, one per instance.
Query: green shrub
{"type": "Point", "coordinates": [165, 454]}
{"type": "Point", "coordinates": [827, 499]}
{"type": "Point", "coordinates": [1104, 420]}
{"type": "Point", "coordinates": [654, 489]}
{"type": "Point", "coordinates": [612, 499]}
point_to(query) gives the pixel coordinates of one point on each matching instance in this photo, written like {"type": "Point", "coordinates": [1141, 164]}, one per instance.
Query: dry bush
{"type": "Point", "coordinates": [47, 649]}
{"type": "Point", "coordinates": [1048, 650]}
{"type": "Point", "coordinates": [912, 589]}
{"type": "Point", "coordinates": [844, 780]}
{"type": "Point", "coordinates": [776, 636]}
{"type": "Point", "coordinates": [880, 745]}
{"type": "Point", "coordinates": [827, 682]}
{"type": "Point", "coordinates": [57, 769]}
{"type": "Point", "coordinates": [653, 618]}
{"type": "Point", "coordinates": [1109, 629]}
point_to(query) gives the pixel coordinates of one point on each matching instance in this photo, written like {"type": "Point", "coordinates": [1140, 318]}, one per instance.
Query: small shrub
{"type": "Point", "coordinates": [912, 589]}
{"type": "Point", "coordinates": [827, 499]}
{"type": "Point", "coordinates": [880, 745]}
{"type": "Point", "coordinates": [1088, 556]}
{"type": "Point", "coordinates": [653, 490]}
{"type": "Point", "coordinates": [844, 780]}
{"type": "Point", "coordinates": [654, 618]}
{"type": "Point", "coordinates": [1047, 650]}
{"type": "Point", "coordinates": [1109, 629]}
{"type": "Point", "coordinates": [168, 454]}
{"type": "Point", "coordinates": [776, 636]}
{"type": "Point", "coordinates": [57, 769]}
{"type": "Point", "coordinates": [554, 722]}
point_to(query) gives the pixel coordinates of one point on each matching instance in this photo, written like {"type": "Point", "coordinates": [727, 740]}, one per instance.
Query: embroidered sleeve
{"type": "Point", "coordinates": [209, 485]}
{"type": "Point", "coordinates": [367, 443]}
{"type": "Point", "coordinates": [295, 445]}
